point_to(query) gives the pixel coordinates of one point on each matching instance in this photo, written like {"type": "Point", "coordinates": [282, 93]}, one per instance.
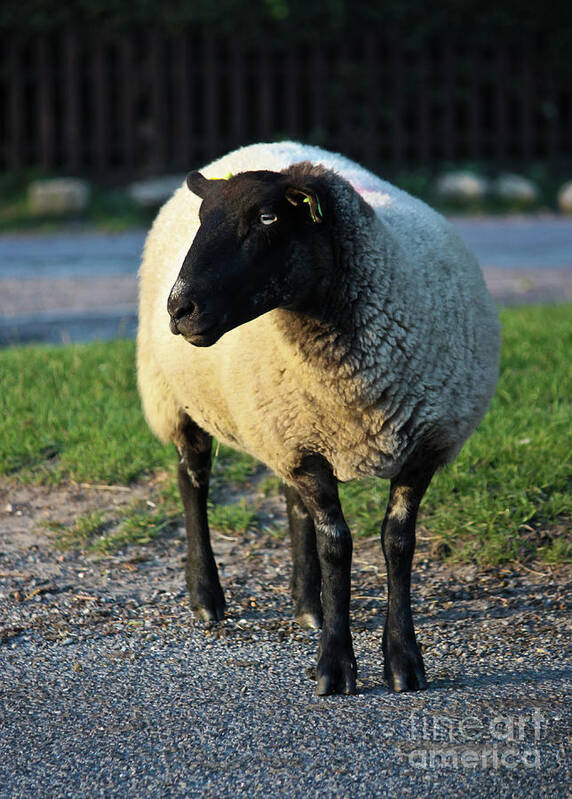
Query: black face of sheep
{"type": "Point", "coordinates": [262, 244]}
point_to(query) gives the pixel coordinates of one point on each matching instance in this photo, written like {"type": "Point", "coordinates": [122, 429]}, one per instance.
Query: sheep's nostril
{"type": "Point", "coordinates": [179, 306]}
{"type": "Point", "coordinates": [187, 309]}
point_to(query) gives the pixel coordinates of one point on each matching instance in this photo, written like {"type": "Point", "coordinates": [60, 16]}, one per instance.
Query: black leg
{"type": "Point", "coordinates": [306, 575]}
{"type": "Point", "coordinates": [336, 669]}
{"type": "Point", "coordinates": [194, 447]}
{"type": "Point", "coordinates": [404, 669]}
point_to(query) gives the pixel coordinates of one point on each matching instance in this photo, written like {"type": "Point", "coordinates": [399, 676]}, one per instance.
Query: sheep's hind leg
{"type": "Point", "coordinates": [403, 666]}
{"type": "Point", "coordinates": [336, 669]}
{"type": "Point", "coordinates": [306, 575]}
{"type": "Point", "coordinates": [194, 447]}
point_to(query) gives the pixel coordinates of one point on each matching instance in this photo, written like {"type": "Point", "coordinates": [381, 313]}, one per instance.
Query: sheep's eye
{"type": "Point", "coordinates": [268, 219]}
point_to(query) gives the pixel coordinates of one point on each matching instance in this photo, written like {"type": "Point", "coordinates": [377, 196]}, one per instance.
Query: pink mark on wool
{"type": "Point", "coordinates": [370, 190]}
{"type": "Point", "coordinates": [364, 189]}
{"type": "Point", "coordinates": [374, 197]}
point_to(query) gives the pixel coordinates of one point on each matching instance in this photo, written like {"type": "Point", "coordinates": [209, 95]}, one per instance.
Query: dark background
{"type": "Point", "coordinates": [120, 90]}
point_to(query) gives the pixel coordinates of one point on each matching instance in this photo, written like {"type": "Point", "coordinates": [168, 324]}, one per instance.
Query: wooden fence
{"type": "Point", "coordinates": [149, 101]}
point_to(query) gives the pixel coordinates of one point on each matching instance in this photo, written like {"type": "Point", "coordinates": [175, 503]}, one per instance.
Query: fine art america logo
{"type": "Point", "coordinates": [472, 742]}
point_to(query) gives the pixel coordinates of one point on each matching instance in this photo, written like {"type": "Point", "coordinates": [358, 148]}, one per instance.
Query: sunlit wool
{"type": "Point", "coordinates": [416, 363]}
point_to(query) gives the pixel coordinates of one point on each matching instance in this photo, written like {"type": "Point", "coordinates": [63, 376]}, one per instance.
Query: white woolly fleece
{"type": "Point", "coordinates": [420, 365]}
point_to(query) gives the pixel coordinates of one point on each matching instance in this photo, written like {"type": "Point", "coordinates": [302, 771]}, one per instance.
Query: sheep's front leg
{"type": "Point", "coordinates": [336, 668]}
{"type": "Point", "coordinates": [403, 666]}
{"type": "Point", "coordinates": [194, 447]}
{"type": "Point", "coordinates": [306, 574]}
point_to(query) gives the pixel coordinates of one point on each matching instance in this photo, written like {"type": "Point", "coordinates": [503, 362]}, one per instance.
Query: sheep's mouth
{"type": "Point", "coordinates": [196, 334]}
{"type": "Point", "coordinates": [204, 338]}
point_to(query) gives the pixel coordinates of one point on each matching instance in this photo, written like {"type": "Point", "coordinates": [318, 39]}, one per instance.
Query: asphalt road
{"type": "Point", "coordinates": [233, 718]}
{"type": "Point", "coordinates": [78, 286]}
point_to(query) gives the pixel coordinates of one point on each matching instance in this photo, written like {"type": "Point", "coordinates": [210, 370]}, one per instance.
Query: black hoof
{"type": "Point", "coordinates": [208, 604]}
{"type": "Point", "coordinates": [309, 621]}
{"type": "Point", "coordinates": [208, 614]}
{"type": "Point", "coordinates": [309, 615]}
{"type": "Point", "coordinates": [336, 675]}
{"type": "Point", "coordinates": [308, 608]}
{"type": "Point", "coordinates": [404, 670]}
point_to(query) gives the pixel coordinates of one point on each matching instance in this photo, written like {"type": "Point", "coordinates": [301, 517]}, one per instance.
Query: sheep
{"type": "Point", "coordinates": [300, 309]}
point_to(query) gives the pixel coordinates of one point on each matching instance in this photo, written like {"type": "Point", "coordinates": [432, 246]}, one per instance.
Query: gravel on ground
{"type": "Point", "coordinates": [109, 688]}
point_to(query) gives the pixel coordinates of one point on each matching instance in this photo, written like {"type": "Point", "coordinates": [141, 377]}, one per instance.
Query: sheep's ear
{"type": "Point", "coordinates": [198, 184]}
{"type": "Point", "coordinates": [308, 196]}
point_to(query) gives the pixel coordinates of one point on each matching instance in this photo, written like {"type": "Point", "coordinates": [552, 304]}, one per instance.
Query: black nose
{"type": "Point", "coordinates": [179, 306]}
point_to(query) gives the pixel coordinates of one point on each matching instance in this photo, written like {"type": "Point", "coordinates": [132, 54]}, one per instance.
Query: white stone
{"type": "Point", "coordinates": [463, 187]}
{"type": "Point", "coordinates": [516, 189]}
{"type": "Point", "coordinates": [153, 192]}
{"type": "Point", "coordinates": [58, 196]}
{"type": "Point", "coordinates": [565, 198]}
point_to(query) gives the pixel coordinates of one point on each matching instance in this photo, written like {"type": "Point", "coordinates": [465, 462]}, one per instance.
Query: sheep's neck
{"type": "Point", "coordinates": [343, 341]}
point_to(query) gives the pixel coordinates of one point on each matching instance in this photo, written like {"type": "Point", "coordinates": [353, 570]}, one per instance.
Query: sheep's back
{"type": "Point", "coordinates": [253, 391]}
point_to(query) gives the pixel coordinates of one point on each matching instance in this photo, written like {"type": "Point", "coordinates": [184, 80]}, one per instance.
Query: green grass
{"type": "Point", "coordinates": [79, 534]}
{"type": "Point", "coordinates": [103, 532]}
{"type": "Point", "coordinates": [72, 414]}
{"type": "Point", "coordinates": [140, 524]}
{"type": "Point", "coordinates": [235, 517]}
